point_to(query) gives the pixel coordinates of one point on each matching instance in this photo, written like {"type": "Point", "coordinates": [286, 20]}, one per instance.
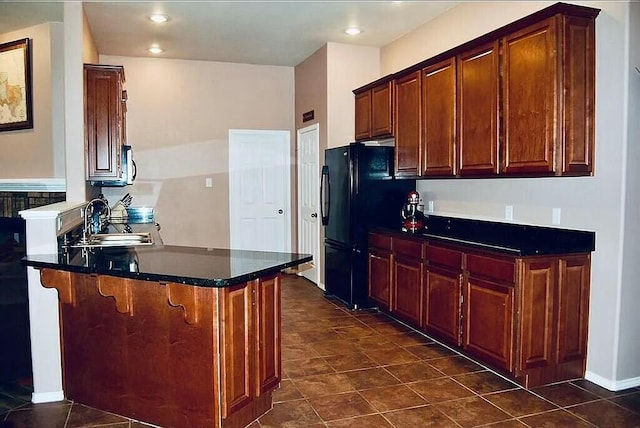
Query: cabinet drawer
{"type": "Point", "coordinates": [442, 256]}
{"type": "Point", "coordinates": [496, 269]}
{"type": "Point", "coordinates": [408, 248]}
{"type": "Point", "coordinates": [380, 241]}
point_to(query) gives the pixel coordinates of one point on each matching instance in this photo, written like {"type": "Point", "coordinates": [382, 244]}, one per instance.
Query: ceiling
{"type": "Point", "coordinates": [253, 32]}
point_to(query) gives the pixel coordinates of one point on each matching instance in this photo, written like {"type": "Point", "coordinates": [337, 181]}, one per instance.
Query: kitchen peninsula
{"type": "Point", "coordinates": [173, 336]}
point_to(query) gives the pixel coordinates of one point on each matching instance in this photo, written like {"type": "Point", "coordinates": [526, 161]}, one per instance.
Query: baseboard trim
{"type": "Point", "coordinates": [612, 385]}
{"type": "Point", "coordinates": [47, 397]}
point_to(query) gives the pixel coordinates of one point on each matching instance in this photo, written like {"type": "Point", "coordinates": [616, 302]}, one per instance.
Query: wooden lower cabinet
{"type": "Point", "coordinates": [379, 262]}
{"type": "Point", "coordinates": [169, 354]}
{"type": "Point", "coordinates": [406, 284]}
{"type": "Point", "coordinates": [554, 303]}
{"type": "Point", "coordinates": [526, 317]}
{"type": "Point", "coordinates": [407, 290]}
{"type": "Point", "coordinates": [488, 322]}
{"type": "Point", "coordinates": [442, 304]}
{"type": "Point", "coordinates": [250, 351]}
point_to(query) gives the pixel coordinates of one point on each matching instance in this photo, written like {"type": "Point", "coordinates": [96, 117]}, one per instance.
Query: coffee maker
{"type": "Point", "coordinates": [413, 219]}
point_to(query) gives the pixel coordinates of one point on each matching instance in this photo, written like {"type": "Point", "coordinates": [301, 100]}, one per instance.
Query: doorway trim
{"type": "Point", "coordinates": [317, 256]}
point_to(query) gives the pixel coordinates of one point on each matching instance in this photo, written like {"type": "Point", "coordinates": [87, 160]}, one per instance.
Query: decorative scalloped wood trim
{"type": "Point", "coordinates": [61, 281]}
{"type": "Point", "coordinates": [119, 289]}
{"type": "Point", "coordinates": [187, 298]}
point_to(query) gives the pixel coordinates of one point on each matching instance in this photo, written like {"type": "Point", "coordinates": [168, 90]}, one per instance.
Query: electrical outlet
{"type": "Point", "coordinates": [508, 212]}
{"type": "Point", "coordinates": [555, 215]}
{"type": "Point", "coordinates": [208, 182]}
{"type": "Point", "coordinates": [431, 206]}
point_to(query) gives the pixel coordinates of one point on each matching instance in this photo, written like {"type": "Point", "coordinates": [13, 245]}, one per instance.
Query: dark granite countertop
{"type": "Point", "coordinates": [203, 267]}
{"type": "Point", "coordinates": [507, 238]}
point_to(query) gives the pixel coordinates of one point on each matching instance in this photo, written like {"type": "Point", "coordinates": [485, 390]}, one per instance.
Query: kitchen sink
{"type": "Point", "coordinates": [115, 240]}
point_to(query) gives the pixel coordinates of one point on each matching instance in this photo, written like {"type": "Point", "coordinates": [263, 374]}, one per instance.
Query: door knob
{"type": "Point", "coordinates": [280, 211]}
{"type": "Point", "coordinates": [314, 215]}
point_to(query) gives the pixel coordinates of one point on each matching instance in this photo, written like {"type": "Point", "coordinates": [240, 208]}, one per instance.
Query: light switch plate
{"type": "Point", "coordinates": [556, 215]}
{"type": "Point", "coordinates": [430, 206]}
{"type": "Point", "coordinates": [208, 182]}
{"type": "Point", "coordinates": [508, 212]}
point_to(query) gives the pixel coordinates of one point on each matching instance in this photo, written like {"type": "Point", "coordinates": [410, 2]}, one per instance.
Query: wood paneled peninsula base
{"type": "Point", "coordinates": [165, 352]}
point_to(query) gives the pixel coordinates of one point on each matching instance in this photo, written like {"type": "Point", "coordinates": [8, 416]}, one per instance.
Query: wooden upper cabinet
{"type": "Point", "coordinates": [382, 110]}
{"type": "Point", "coordinates": [478, 83]}
{"type": "Point", "coordinates": [578, 62]}
{"type": "Point", "coordinates": [374, 111]}
{"type": "Point", "coordinates": [104, 121]}
{"type": "Point", "coordinates": [530, 99]}
{"type": "Point", "coordinates": [439, 118]}
{"type": "Point", "coordinates": [408, 124]}
{"type": "Point", "coordinates": [363, 115]}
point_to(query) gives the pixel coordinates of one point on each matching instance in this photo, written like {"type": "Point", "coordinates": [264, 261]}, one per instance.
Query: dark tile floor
{"type": "Point", "coordinates": [363, 369]}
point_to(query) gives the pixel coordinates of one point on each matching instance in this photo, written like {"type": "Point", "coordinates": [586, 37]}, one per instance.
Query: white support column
{"type": "Point", "coordinates": [41, 228]}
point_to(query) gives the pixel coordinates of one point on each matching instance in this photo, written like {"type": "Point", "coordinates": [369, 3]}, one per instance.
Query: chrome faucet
{"type": "Point", "coordinates": [88, 229]}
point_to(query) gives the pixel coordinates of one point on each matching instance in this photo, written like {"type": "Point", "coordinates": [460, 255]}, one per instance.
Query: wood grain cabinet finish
{"type": "Point", "coordinates": [406, 288]}
{"type": "Point", "coordinates": [408, 125]}
{"type": "Point", "coordinates": [363, 115]}
{"type": "Point", "coordinates": [380, 261]}
{"type": "Point", "coordinates": [489, 321]}
{"type": "Point", "coordinates": [526, 317]}
{"type": "Point", "coordinates": [554, 305]}
{"type": "Point", "coordinates": [518, 101]}
{"type": "Point", "coordinates": [374, 111]}
{"type": "Point", "coordinates": [170, 354]}
{"type": "Point", "coordinates": [442, 302]}
{"type": "Point", "coordinates": [439, 118]}
{"type": "Point", "coordinates": [104, 121]}
{"type": "Point", "coordinates": [548, 95]}
{"type": "Point", "coordinates": [478, 83]}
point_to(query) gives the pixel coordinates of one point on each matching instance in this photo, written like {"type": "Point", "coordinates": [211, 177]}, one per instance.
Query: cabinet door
{"type": "Point", "coordinates": [442, 303]}
{"type": "Point", "coordinates": [530, 97]}
{"type": "Point", "coordinates": [439, 120]}
{"type": "Point", "coordinates": [363, 115]}
{"type": "Point", "coordinates": [488, 321]}
{"type": "Point", "coordinates": [578, 95]}
{"type": "Point", "coordinates": [237, 348]}
{"type": "Point", "coordinates": [380, 278]}
{"type": "Point", "coordinates": [408, 127]}
{"type": "Point", "coordinates": [537, 321]}
{"type": "Point", "coordinates": [406, 302]}
{"type": "Point", "coordinates": [268, 339]}
{"type": "Point", "coordinates": [103, 126]}
{"type": "Point", "coordinates": [573, 309]}
{"type": "Point", "coordinates": [478, 111]}
{"type": "Point", "coordinates": [381, 110]}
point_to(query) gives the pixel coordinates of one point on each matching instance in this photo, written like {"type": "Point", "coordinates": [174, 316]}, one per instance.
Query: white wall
{"type": "Point", "coordinates": [629, 340]}
{"type": "Point", "coordinates": [39, 152]}
{"type": "Point", "coordinates": [348, 67]}
{"type": "Point", "coordinates": [179, 114]}
{"type": "Point", "coordinates": [590, 203]}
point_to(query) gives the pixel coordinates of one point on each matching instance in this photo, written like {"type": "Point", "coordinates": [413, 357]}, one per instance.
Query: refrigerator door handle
{"type": "Point", "coordinates": [325, 195]}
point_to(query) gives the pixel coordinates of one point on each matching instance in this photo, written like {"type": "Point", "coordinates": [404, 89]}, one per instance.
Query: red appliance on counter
{"type": "Point", "coordinates": [413, 219]}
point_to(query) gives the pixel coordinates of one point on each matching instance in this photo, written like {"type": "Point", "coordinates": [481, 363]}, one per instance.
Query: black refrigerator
{"type": "Point", "coordinates": [358, 192]}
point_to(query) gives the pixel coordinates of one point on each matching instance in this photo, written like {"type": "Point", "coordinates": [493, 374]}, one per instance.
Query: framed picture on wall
{"type": "Point", "coordinates": [16, 111]}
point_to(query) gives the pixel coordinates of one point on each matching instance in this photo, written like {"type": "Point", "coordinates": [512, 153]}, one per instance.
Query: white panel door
{"type": "Point", "coordinates": [259, 190]}
{"type": "Point", "coordinates": [309, 199]}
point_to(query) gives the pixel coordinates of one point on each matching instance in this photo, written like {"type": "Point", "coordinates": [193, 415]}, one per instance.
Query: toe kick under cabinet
{"type": "Point", "coordinates": [524, 316]}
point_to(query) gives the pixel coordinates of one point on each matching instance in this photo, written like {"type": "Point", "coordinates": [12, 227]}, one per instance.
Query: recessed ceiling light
{"type": "Point", "coordinates": [155, 50]}
{"type": "Point", "coordinates": [353, 31]}
{"type": "Point", "coordinates": [159, 18]}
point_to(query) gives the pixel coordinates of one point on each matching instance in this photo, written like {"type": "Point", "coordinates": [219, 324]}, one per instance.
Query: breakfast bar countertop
{"type": "Point", "coordinates": [202, 267]}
